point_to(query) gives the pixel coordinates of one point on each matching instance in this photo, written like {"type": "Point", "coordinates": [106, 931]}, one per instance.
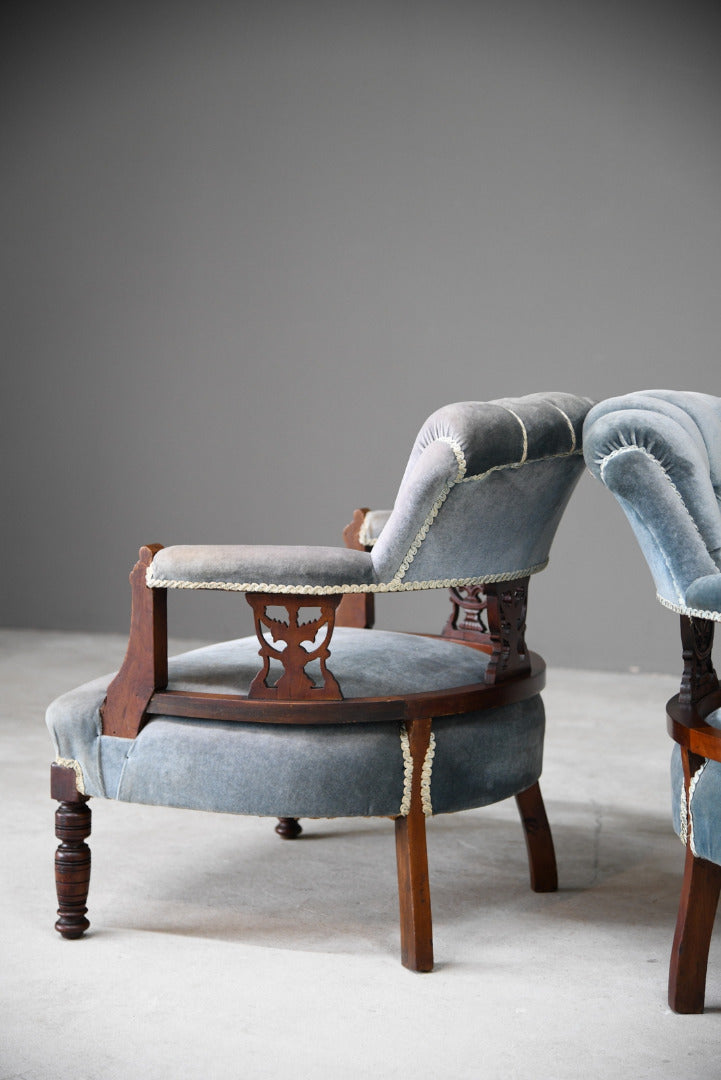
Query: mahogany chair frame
{"type": "Point", "coordinates": [687, 713]}
{"type": "Point", "coordinates": [139, 692]}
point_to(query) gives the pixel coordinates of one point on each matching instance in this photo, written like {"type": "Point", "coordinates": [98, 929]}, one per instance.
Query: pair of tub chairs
{"type": "Point", "coordinates": [318, 715]}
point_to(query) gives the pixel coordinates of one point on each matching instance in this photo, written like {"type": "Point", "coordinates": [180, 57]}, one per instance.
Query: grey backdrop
{"type": "Point", "coordinates": [248, 247]}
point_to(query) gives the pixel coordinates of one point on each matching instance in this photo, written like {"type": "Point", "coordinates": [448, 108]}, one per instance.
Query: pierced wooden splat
{"type": "Point", "coordinates": [699, 677]}
{"type": "Point", "coordinates": [468, 606]}
{"type": "Point", "coordinates": [298, 647]}
{"type": "Point", "coordinates": [506, 608]}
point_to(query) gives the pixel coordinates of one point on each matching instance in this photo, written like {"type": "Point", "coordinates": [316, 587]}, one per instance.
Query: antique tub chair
{"type": "Point", "coordinates": [320, 716]}
{"type": "Point", "coordinates": [659, 452]}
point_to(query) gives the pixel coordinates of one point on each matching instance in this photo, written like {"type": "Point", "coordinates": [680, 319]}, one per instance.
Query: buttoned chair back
{"type": "Point", "coordinates": [659, 453]}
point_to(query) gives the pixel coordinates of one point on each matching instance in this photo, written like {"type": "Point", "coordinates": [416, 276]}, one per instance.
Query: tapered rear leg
{"type": "Point", "coordinates": [539, 841]}
{"type": "Point", "coordinates": [689, 954]}
{"type": "Point", "coordinates": [414, 892]}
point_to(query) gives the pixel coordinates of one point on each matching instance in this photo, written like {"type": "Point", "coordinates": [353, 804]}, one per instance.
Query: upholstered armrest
{"type": "Point", "coordinates": [259, 568]}
{"type": "Point", "coordinates": [372, 526]}
{"type": "Point", "coordinates": [652, 450]}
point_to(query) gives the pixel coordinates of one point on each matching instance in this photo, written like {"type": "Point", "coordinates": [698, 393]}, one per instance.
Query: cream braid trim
{"type": "Point", "coordinates": [331, 590]}
{"type": "Point", "coordinates": [426, 770]}
{"type": "Point", "coordinates": [694, 613]}
{"type": "Point", "coordinates": [686, 830]}
{"type": "Point", "coordinates": [629, 448]}
{"type": "Point", "coordinates": [405, 808]}
{"type": "Point", "coordinates": [426, 776]}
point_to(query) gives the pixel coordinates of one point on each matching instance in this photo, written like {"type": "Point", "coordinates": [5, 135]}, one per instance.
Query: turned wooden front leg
{"type": "Point", "coordinates": [72, 867]}
{"type": "Point", "coordinates": [72, 858]}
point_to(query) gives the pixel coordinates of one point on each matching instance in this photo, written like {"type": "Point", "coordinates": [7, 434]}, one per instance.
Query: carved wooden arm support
{"type": "Point", "coordinates": [300, 647]}
{"type": "Point", "coordinates": [356, 609]}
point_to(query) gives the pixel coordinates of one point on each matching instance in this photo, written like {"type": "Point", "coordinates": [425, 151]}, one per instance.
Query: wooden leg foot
{"type": "Point", "coordinates": [689, 955]}
{"type": "Point", "coordinates": [414, 892]}
{"type": "Point", "coordinates": [539, 841]}
{"type": "Point", "coordinates": [72, 867]}
{"type": "Point", "coordinates": [288, 827]}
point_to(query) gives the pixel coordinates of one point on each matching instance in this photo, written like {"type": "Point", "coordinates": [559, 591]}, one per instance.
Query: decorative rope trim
{"type": "Point", "coordinates": [567, 418]}
{"type": "Point", "coordinates": [683, 815]}
{"type": "Point", "coordinates": [421, 535]}
{"type": "Point", "coordinates": [71, 763]}
{"type": "Point", "coordinates": [423, 531]}
{"type": "Point", "coordinates": [629, 448]}
{"type": "Point", "coordinates": [524, 455]}
{"type": "Point", "coordinates": [426, 776]}
{"type": "Point", "coordinates": [691, 790]}
{"type": "Point", "coordinates": [694, 613]}
{"type": "Point", "coordinates": [459, 455]}
{"type": "Point", "coordinates": [332, 590]}
{"type": "Point", "coordinates": [518, 464]}
{"type": "Point", "coordinates": [407, 772]}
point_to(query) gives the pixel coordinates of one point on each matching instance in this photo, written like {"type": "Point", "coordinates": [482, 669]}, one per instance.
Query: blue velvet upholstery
{"type": "Point", "coordinates": [659, 452]}
{"type": "Point", "coordinates": [306, 771]}
{"type": "Point", "coordinates": [481, 498]}
{"type": "Point", "coordinates": [699, 823]}
{"type": "Point", "coordinates": [482, 495]}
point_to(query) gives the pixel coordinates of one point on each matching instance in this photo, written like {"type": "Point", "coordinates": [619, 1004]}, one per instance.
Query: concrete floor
{"type": "Point", "coordinates": [218, 951]}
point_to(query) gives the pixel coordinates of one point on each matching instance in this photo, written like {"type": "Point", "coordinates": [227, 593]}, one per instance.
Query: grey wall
{"type": "Point", "coordinates": [248, 247]}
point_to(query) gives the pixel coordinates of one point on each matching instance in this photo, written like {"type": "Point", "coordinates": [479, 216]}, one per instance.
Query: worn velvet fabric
{"type": "Point", "coordinates": [480, 500]}
{"type": "Point", "coordinates": [701, 825]}
{"type": "Point", "coordinates": [659, 452]}
{"type": "Point", "coordinates": [341, 770]}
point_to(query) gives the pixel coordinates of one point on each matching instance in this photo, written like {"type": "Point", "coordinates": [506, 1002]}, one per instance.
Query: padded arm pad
{"type": "Point", "coordinates": [258, 568]}
{"type": "Point", "coordinates": [372, 526]}
{"type": "Point", "coordinates": [652, 450]}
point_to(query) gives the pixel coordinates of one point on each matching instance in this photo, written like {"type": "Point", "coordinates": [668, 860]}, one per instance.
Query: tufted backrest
{"type": "Point", "coordinates": [659, 452]}
{"type": "Point", "coordinates": [483, 492]}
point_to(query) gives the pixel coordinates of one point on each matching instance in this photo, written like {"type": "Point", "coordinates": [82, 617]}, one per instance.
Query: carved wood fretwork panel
{"type": "Point", "coordinates": [465, 623]}
{"type": "Point", "coordinates": [699, 677]}
{"type": "Point", "coordinates": [295, 644]}
{"type": "Point", "coordinates": [507, 603]}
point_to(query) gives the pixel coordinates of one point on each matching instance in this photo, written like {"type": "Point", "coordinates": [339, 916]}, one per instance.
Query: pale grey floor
{"type": "Point", "coordinates": [218, 951]}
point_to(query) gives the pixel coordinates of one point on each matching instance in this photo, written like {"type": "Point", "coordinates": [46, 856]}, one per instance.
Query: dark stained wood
{"type": "Point", "coordinates": [687, 725]}
{"type": "Point", "coordinates": [689, 954]}
{"type": "Point", "coordinates": [72, 867]}
{"type": "Point", "coordinates": [63, 784]}
{"type": "Point", "coordinates": [139, 692]}
{"type": "Point", "coordinates": [289, 828]}
{"type": "Point", "coordinates": [145, 667]}
{"type": "Point", "coordinates": [294, 684]}
{"type": "Point", "coordinates": [506, 608]}
{"type": "Point", "coordinates": [687, 713]}
{"type": "Point", "coordinates": [539, 841]}
{"type": "Point", "coordinates": [356, 609]}
{"type": "Point", "coordinates": [699, 678]}
{"type": "Point", "coordinates": [465, 622]}
{"type": "Point", "coordinates": [233, 707]}
{"type": "Point", "coordinates": [414, 893]}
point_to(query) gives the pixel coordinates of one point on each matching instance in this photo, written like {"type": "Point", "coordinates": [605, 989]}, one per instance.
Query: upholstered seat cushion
{"type": "Point", "coordinates": [307, 771]}
{"type": "Point", "coordinates": [701, 827]}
